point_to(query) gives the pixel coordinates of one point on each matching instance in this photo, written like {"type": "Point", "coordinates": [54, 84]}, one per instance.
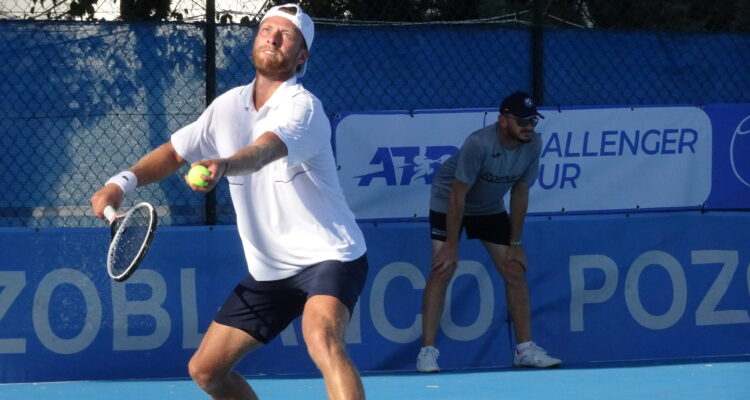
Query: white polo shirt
{"type": "Point", "coordinates": [291, 213]}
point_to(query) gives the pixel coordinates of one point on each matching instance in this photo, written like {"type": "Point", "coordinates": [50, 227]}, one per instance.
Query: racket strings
{"type": "Point", "coordinates": [129, 240]}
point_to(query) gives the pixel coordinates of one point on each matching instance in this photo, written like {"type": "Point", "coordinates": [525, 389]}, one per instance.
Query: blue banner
{"type": "Point", "coordinates": [603, 288]}
{"type": "Point", "coordinates": [731, 156]}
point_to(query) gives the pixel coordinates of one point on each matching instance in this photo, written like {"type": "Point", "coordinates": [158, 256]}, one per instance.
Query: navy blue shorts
{"type": "Point", "coordinates": [493, 228]}
{"type": "Point", "coordinates": [264, 308]}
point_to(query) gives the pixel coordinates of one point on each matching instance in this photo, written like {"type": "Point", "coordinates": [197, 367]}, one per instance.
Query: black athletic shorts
{"type": "Point", "coordinates": [493, 228]}
{"type": "Point", "coordinates": [264, 308]}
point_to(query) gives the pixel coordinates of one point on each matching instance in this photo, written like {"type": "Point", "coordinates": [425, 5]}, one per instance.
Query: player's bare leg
{"type": "Point", "coordinates": [211, 366]}
{"type": "Point", "coordinates": [516, 291]}
{"type": "Point", "coordinates": [324, 322]}
{"type": "Point", "coordinates": [433, 299]}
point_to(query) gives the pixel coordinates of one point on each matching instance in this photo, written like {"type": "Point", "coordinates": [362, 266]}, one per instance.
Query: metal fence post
{"type": "Point", "coordinates": [537, 53]}
{"type": "Point", "coordinates": [210, 35]}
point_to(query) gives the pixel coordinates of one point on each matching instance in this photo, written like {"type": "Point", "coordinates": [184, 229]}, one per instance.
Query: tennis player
{"type": "Point", "coordinates": [304, 250]}
{"type": "Point", "coordinates": [467, 193]}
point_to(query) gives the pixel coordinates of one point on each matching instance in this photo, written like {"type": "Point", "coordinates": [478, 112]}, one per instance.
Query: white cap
{"type": "Point", "coordinates": [302, 21]}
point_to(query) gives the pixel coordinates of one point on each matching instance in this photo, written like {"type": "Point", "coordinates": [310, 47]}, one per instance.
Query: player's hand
{"type": "Point", "coordinates": [217, 167]}
{"type": "Point", "coordinates": [515, 254]}
{"type": "Point", "coordinates": [445, 259]}
{"type": "Point", "coordinates": [109, 195]}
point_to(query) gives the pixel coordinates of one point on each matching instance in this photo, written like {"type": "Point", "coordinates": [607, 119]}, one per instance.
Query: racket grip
{"type": "Point", "coordinates": [109, 213]}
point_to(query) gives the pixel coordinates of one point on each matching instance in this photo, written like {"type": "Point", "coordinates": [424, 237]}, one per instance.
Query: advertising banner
{"type": "Point", "coordinates": [593, 160]}
{"type": "Point", "coordinates": [731, 159]}
{"type": "Point", "coordinates": [603, 288]}
{"type": "Point", "coordinates": [387, 160]}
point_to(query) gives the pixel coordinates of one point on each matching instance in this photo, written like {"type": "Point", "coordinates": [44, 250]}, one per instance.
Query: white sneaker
{"type": "Point", "coordinates": [427, 359]}
{"type": "Point", "coordinates": [534, 357]}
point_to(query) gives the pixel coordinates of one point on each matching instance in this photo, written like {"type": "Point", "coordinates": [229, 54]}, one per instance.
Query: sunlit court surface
{"type": "Point", "coordinates": [725, 380]}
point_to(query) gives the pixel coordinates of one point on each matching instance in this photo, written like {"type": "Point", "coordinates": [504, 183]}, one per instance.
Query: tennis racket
{"type": "Point", "coordinates": [131, 235]}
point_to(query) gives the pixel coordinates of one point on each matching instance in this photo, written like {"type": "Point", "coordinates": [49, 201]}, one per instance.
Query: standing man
{"type": "Point", "coordinates": [305, 253]}
{"type": "Point", "coordinates": [468, 194]}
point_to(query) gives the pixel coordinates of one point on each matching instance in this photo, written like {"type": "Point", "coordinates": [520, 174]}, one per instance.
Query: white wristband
{"type": "Point", "coordinates": [126, 180]}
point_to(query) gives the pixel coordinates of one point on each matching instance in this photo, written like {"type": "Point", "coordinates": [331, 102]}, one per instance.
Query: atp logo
{"type": "Point", "coordinates": [405, 165]}
{"type": "Point", "coordinates": [739, 149]}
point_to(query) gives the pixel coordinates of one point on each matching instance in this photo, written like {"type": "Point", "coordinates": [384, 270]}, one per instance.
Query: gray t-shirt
{"type": "Point", "coordinates": [489, 167]}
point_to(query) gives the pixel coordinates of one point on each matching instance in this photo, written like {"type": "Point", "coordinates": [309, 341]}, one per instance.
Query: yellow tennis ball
{"type": "Point", "coordinates": [194, 175]}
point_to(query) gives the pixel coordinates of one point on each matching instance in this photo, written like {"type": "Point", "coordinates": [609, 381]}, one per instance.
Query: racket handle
{"type": "Point", "coordinates": [109, 213]}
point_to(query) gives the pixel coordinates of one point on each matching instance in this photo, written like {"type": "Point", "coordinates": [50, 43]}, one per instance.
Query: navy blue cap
{"type": "Point", "coordinates": [519, 104]}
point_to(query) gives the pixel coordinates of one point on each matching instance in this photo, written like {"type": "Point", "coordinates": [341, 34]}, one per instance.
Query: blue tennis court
{"type": "Point", "coordinates": [699, 381]}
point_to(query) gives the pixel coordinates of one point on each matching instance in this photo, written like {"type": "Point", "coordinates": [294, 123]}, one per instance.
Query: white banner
{"type": "Point", "coordinates": [593, 159]}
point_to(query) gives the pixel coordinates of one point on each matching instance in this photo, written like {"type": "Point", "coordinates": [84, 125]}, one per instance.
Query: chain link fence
{"type": "Point", "coordinates": [682, 15]}
{"type": "Point", "coordinates": [86, 93]}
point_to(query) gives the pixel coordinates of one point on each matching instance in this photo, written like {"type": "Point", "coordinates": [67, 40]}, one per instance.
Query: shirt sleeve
{"type": "Point", "coordinates": [470, 160]}
{"type": "Point", "coordinates": [303, 126]}
{"type": "Point", "coordinates": [195, 141]}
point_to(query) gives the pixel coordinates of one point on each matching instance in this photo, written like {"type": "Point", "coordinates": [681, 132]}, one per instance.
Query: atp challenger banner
{"type": "Point", "coordinates": [593, 160]}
